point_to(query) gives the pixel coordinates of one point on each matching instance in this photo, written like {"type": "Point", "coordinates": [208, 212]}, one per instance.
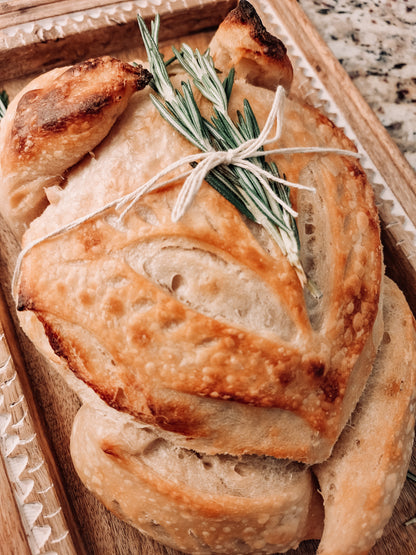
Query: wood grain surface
{"type": "Point", "coordinates": [10, 518]}
{"type": "Point", "coordinates": [51, 402]}
{"type": "Point", "coordinates": [16, 12]}
{"type": "Point", "coordinates": [24, 437]}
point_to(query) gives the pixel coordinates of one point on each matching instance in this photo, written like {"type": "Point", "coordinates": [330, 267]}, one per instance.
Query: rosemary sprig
{"type": "Point", "coordinates": [411, 476]}
{"type": "Point", "coordinates": [229, 135]}
{"type": "Point", "coordinates": [253, 187]}
{"type": "Point", "coordinates": [4, 102]}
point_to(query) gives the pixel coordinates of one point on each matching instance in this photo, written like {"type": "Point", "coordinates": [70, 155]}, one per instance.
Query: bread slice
{"type": "Point", "coordinates": [190, 501]}
{"type": "Point", "coordinates": [363, 478]}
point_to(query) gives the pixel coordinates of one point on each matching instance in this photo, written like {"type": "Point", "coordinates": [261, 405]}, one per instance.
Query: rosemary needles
{"type": "Point", "coordinates": [4, 101]}
{"type": "Point", "coordinates": [234, 162]}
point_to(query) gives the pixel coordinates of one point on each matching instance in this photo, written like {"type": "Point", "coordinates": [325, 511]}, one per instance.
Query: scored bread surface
{"type": "Point", "coordinates": [162, 293]}
{"type": "Point", "coordinates": [221, 504]}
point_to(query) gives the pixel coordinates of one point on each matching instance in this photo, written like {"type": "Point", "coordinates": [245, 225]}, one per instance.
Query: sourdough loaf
{"type": "Point", "coordinates": [212, 354]}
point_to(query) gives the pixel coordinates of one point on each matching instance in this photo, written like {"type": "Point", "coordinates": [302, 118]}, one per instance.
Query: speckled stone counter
{"type": "Point", "coordinates": [375, 41]}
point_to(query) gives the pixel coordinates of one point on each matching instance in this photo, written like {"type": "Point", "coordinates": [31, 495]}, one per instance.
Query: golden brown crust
{"type": "Point", "coordinates": [258, 504]}
{"type": "Point", "coordinates": [200, 335]}
{"type": "Point", "coordinates": [242, 42]}
{"type": "Point", "coordinates": [70, 103]}
{"type": "Point", "coordinates": [246, 15]}
{"type": "Point", "coordinates": [264, 355]}
{"type": "Point", "coordinates": [362, 480]}
{"type": "Point", "coordinates": [53, 123]}
{"type": "Point", "coordinates": [268, 350]}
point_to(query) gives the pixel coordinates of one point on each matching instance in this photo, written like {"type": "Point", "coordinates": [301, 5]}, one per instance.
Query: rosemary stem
{"type": "Point", "coordinates": [242, 175]}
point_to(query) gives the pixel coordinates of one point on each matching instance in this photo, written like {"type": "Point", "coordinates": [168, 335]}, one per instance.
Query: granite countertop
{"type": "Point", "coordinates": [375, 41]}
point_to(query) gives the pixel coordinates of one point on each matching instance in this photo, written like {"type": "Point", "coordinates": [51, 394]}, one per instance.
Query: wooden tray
{"type": "Point", "coordinates": [45, 508]}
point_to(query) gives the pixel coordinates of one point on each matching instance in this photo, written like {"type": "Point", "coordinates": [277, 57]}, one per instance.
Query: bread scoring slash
{"type": "Point", "coordinates": [193, 341]}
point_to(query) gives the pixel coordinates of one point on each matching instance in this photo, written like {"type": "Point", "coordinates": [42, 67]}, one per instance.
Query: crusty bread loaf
{"type": "Point", "coordinates": [162, 293]}
{"type": "Point", "coordinates": [214, 384]}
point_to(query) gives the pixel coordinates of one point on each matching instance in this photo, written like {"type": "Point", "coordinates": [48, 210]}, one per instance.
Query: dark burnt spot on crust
{"type": "Point", "coordinates": [330, 388]}
{"type": "Point", "coordinates": [24, 302]}
{"type": "Point", "coordinates": [143, 77]}
{"type": "Point", "coordinates": [52, 112]}
{"type": "Point", "coordinates": [110, 450]}
{"type": "Point", "coordinates": [63, 115]}
{"type": "Point", "coordinates": [357, 171]}
{"type": "Point", "coordinates": [245, 14]}
{"type": "Point", "coordinates": [317, 369]}
{"type": "Point", "coordinates": [140, 75]}
{"type": "Point", "coordinates": [286, 377]}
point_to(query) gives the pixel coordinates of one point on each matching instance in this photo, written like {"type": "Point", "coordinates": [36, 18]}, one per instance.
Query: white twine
{"type": "Point", "coordinates": [207, 161]}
